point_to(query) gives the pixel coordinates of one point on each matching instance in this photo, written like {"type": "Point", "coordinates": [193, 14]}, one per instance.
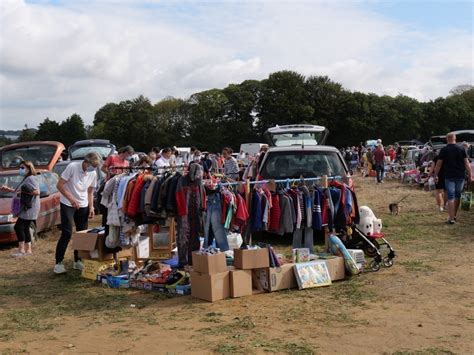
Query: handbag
{"type": "Point", "coordinates": [16, 202]}
{"type": "Point", "coordinates": [16, 206]}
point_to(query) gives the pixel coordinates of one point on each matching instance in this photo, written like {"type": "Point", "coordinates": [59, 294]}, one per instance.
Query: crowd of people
{"type": "Point", "coordinates": [449, 168]}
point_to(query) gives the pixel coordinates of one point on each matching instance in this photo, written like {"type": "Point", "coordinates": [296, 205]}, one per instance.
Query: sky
{"type": "Point", "coordinates": [61, 57]}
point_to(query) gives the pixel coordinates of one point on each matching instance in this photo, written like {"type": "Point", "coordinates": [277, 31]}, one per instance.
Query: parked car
{"type": "Point", "coordinates": [436, 142]}
{"type": "Point", "coordinates": [295, 151]}
{"type": "Point", "coordinates": [80, 149]}
{"type": "Point", "coordinates": [44, 156]}
{"type": "Point", "coordinates": [465, 135]}
{"type": "Point", "coordinates": [414, 142]}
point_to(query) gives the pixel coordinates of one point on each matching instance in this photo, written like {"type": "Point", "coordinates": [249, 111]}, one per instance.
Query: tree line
{"type": "Point", "coordinates": [241, 113]}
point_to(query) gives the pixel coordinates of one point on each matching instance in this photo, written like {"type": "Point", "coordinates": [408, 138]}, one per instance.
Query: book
{"type": "Point", "coordinates": [312, 274]}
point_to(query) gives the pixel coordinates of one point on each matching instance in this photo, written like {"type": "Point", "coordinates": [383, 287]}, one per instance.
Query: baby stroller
{"type": "Point", "coordinates": [374, 246]}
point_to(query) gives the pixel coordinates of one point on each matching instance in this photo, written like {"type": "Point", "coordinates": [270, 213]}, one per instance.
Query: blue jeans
{"type": "Point", "coordinates": [454, 188]}
{"type": "Point", "coordinates": [213, 227]}
{"type": "Point", "coordinates": [379, 168]}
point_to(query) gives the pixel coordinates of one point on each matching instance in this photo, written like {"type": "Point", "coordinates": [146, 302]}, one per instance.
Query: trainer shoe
{"type": "Point", "coordinates": [78, 265]}
{"type": "Point", "coordinates": [59, 269]}
{"type": "Point", "coordinates": [449, 221]}
{"type": "Point", "coordinates": [441, 209]}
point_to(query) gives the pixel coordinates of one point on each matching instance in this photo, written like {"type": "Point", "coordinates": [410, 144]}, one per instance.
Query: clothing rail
{"type": "Point", "coordinates": [277, 181]}
{"type": "Point", "coordinates": [147, 167]}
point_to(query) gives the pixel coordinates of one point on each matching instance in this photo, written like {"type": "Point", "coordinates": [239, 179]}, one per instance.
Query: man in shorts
{"type": "Point", "coordinates": [453, 159]}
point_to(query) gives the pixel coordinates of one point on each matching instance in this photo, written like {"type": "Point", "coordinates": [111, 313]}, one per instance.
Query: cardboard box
{"type": "Point", "coordinates": [93, 267]}
{"type": "Point", "coordinates": [277, 278]}
{"type": "Point", "coordinates": [240, 283]}
{"type": "Point", "coordinates": [143, 247]}
{"type": "Point", "coordinates": [210, 287]}
{"type": "Point", "coordinates": [92, 246]}
{"type": "Point", "coordinates": [209, 264]}
{"type": "Point", "coordinates": [247, 259]}
{"type": "Point", "coordinates": [336, 268]}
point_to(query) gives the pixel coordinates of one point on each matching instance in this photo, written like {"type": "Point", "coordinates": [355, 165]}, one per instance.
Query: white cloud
{"type": "Point", "coordinates": [57, 60]}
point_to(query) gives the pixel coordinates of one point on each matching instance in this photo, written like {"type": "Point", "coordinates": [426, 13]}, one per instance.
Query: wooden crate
{"type": "Point", "coordinates": [162, 243]}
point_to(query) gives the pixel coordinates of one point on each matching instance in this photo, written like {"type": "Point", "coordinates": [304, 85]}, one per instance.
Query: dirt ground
{"type": "Point", "coordinates": [424, 304]}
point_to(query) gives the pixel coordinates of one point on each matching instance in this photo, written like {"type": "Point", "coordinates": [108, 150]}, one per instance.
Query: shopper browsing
{"type": "Point", "coordinates": [453, 158]}
{"type": "Point", "coordinates": [28, 189]}
{"type": "Point", "coordinates": [121, 159]}
{"type": "Point", "coordinates": [379, 159]}
{"type": "Point", "coordinates": [164, 161]}
{"type": "Point", "coordinates": [231, 168]}
{"type": "Point", "coordinates": [76, 186]}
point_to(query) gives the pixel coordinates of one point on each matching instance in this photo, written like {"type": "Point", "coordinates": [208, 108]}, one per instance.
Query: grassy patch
{"type": "Point", "coordinates": [229, 348]}
{"type": "Point", "coordinates": [428, 351]}
{"type": "Point", "coordinates": [353, 291]}
{"type": "Point", "coordinates": [277, 346]}
{"type": "Point", "coordinates": [416, 266]}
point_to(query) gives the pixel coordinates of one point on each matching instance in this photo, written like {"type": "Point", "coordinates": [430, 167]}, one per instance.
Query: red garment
{"type": "Point", "coordinates": [134, 203]}
{"type": "Point", "coordinates": [275, 214]}
{"type": "Point", "coordinates": [242, 214]}
{"type": "Point", "coordinates": [226, 198]}
{"type": "Point", "coordinates": [379, 156]}
{"type": "Point", "coordinates": [392, 154]}
{"type": "Point", "coordinates": [115, 160]}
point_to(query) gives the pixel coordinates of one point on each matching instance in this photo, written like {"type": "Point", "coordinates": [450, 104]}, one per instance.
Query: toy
{"type": "Point", "coordinates": [368, 236]}
{"type": "Point", "coordinates": [338, 248]}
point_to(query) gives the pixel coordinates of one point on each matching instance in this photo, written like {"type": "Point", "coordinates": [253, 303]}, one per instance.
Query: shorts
{"type": "Point", "coordinates": [440, 184]}
{"type": "Point", "coordinates": [454, 188]}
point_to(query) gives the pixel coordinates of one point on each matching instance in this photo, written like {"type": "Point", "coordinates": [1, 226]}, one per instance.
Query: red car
{"type": "Point", "coordinates": [44, 156]}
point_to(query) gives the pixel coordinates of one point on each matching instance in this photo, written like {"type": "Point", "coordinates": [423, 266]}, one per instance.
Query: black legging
{"type": "Point", "coordinates": [23, 229]}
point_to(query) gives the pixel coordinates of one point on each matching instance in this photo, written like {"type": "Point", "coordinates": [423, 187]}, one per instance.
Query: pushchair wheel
{"type": "Point", "coordinates": [374, 265]}
{"type": "Point", "coordinates": [387, 261]}
{"type": "Point", "coordinates": [370, 251]}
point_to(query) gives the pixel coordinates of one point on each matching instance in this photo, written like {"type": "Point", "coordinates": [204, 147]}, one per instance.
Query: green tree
{"type": "Point", "coordinates": [48, 130]}
{"type": "Point", "coordinates": [72, 130]}
{"type": "Point", "coordinates": [284, 100]}
{"type": "Point", "coordinates": [27, 134]}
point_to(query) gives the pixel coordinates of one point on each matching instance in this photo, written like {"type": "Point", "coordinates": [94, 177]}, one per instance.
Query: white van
{"type": "Point", "coordinates": [251, 148]}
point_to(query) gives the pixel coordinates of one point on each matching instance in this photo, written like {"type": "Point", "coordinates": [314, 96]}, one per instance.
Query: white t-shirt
{"type": "Point", "coordinates": [162, 163]}
{"type": "Point", "coordinates": [78, 182]}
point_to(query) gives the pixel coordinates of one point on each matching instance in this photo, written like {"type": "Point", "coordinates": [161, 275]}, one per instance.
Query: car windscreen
{"type": "Point", "coordinates": [465, 137]}
{"type": "Point", "coordinates": [280, 165]}
{"type": "Point", "coordinates": [38, 155]}
{"type": "Point", "coordinates": [438, 140]}
{"type": "Point", "coordinates": [78, 153]}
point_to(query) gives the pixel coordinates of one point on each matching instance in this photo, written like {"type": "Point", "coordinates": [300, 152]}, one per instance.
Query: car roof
{"type": "Point", "coordinates": [15, 172]}
{"type": "Point", "coordinates": [299, 148]}
{"type": "Point", "coordinates": [91, 141]}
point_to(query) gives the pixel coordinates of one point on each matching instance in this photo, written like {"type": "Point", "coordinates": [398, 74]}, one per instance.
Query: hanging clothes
{"type": "Point", "coordinates": [190, 203]}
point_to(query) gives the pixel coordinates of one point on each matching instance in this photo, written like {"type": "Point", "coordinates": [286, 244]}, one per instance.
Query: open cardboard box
{"type": "Point", "coordinates": [248, 259]}
{"type": "Point", "coordinates": [276, 278]}
{"type": "Point", "coordinates": [92, 246]}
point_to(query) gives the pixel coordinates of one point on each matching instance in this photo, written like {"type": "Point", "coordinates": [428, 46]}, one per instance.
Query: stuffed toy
{"type": "Point", "coordinates": [369, 224]}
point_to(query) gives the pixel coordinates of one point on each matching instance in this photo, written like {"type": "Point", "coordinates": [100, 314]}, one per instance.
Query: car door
{"type": "Point", "coordinates": [52, 201]}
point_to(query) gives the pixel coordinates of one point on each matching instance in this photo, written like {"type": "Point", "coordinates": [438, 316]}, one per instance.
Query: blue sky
{"type": "Point", "coordinates": [63, 57]}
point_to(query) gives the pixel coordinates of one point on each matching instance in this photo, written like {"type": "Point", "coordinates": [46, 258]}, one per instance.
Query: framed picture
{"type": "Point", "coordinates": [312, 274]}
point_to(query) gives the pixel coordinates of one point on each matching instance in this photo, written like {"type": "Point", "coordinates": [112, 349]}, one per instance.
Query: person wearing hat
{"type": "Point", "coordinates": [76, 185]}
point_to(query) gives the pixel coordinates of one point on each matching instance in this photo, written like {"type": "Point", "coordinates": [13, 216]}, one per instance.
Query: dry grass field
{"type": "Point", "coordinates": [424, 304]}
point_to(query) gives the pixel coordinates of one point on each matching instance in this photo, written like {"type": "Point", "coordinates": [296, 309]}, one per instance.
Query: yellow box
{"type": "Point", "coordinates": [93, 267]}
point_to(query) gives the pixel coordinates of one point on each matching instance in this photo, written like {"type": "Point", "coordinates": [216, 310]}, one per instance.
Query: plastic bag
{"type": "Point", "coordinates": [235, 240]}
